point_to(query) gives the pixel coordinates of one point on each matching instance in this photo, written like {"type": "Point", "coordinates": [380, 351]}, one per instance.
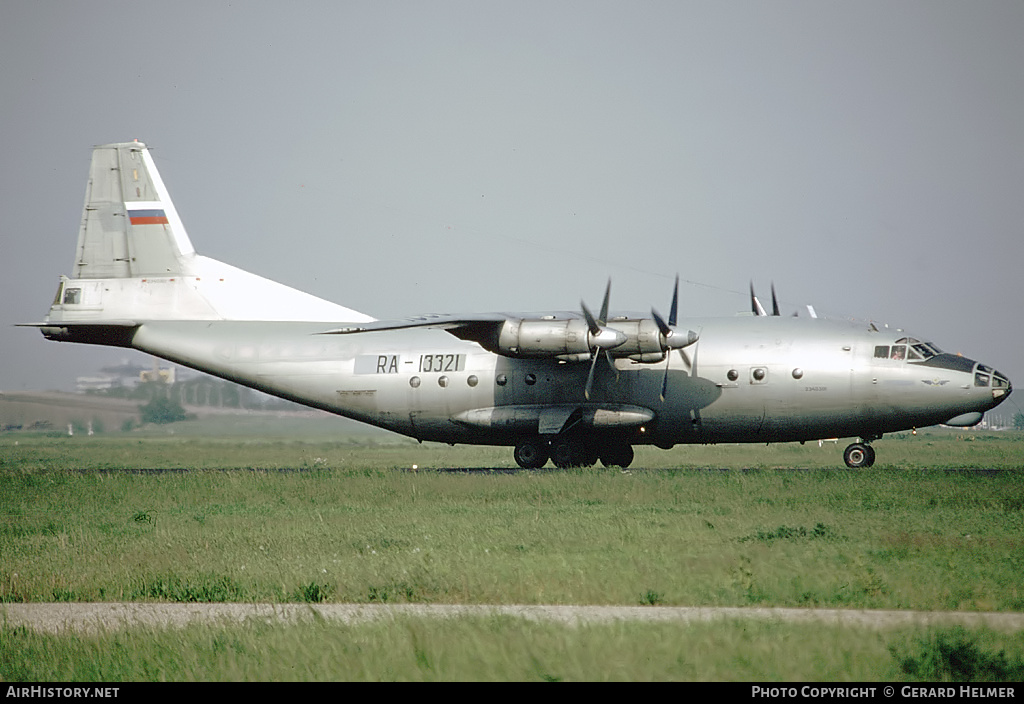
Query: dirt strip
{"type": "Point", "coordinates": [94, 617]}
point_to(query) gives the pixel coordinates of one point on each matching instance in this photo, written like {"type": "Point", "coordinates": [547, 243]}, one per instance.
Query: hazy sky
{"type": "Point", "coordinates": [416, 157]}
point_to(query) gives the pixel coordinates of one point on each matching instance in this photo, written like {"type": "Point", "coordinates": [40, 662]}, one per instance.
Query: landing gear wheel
{"type": "Point", "coordinates": [572, 452]}
{"type": "Point", "coordinates": [617, 455]}
{"type": "Point", "coordinates": [564, 453]}
{"type": "Point", "coordinates": [859, 455]}
{"type": "Point", "coordinates": [531, 453]}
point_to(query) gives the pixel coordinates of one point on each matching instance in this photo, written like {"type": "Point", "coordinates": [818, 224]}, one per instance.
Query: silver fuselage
{"type": "Point", "coordinates": [751, 379]}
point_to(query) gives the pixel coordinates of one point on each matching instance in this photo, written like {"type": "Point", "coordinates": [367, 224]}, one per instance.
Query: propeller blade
{"type": "Point", "coordinates": [664, 380]}
{"type": "Point", "coordinates": [671, 339]}
{"type": "Point", "coordinates": [755, 305]}
{"type": "Point", "coordinates": [668, 357]}
{"type": "Point", "coordinates": [601, 336]}
{"type": "Point", "coordinates": [665, 328]}
{"type": "Point", "coordinates": [674, 309]}
{"type": "Point", "coordinates": [775, 302]}
{"type": "Point", "coordinates": [611, 363]}
{"type": "Point", "coordinates": [590, 378]}
{"type": "Point", "coordinates": [603, 320]}
{"type": "Point", "coordinates": [595, 328]}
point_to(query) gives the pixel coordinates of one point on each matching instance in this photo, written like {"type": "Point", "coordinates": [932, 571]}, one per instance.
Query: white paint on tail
{"type": "Point", "coordinates": [136, 262]}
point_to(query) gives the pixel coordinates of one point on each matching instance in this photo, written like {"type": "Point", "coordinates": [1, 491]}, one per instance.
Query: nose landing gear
{"type": "Point", "coordinates": [859, 455]}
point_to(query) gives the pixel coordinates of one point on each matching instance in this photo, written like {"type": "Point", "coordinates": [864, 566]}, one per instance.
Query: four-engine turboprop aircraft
{"type": "Point", "coordinates": [572, 387]}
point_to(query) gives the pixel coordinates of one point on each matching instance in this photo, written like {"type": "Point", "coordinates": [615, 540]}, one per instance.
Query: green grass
{"type": "Point", "coordinates": [506, 648]}
{"type": "Point", "coordinates": [356, 526]}
{"type": "Point", "coordinates": [349, 521]}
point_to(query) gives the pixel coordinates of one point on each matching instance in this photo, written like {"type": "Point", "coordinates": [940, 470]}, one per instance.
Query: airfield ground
{"type": "Point", "coordinates": [526, 567]}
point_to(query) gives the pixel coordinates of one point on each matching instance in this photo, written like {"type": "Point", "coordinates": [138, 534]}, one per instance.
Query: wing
{"type": "Point", "coordinates": [437, 322]}
{"type": "Point", "coordinates": [484, 329]}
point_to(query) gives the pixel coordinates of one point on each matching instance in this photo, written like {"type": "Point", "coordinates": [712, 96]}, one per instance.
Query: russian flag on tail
{"type": "Point", "coordinates": [149, 216]}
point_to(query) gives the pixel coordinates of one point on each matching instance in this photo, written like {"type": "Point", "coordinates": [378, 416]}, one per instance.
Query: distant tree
{"type": "Point", "coordinates": [162, 410]}
{"type": "Point", "coordinates": [1018, 421]}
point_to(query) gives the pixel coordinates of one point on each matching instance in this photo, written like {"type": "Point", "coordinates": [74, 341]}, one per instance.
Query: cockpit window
{"type": "Point", "coordinates": [924, 350]}
{"type": "Point", "coordinates": [72, 296]}
{"type": "Point", "coordinates": [980, 379]}
{"type": "Point", "coordinates": [907, 348]}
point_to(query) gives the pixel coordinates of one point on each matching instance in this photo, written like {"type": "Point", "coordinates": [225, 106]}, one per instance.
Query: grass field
{"type": "Point", "coordinates": [504, 648]}
{"type": "Point", "coordinates": [353, 522]}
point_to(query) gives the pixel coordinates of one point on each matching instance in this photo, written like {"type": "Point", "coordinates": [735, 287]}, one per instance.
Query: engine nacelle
{"type": "Point", "coordinates": [543, 338]}
{"type": "Point", "coordinates": [568, 339]}
{"type": "Point", "coordinates": [643, 340]}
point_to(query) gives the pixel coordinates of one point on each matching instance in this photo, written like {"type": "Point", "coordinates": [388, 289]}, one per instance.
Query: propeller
{"type": "Point", "coordinates": [601, 337]}
{"type": "Point", "coordinates": [673, 339]}
{"type": "Point", "coordinates": [755, 305]}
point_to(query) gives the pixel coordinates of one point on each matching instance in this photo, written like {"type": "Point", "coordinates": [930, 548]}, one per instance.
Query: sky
{"type": "Point", "coordinates": [402, 158]}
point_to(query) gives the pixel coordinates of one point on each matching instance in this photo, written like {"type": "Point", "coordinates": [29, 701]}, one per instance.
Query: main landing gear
{"type": "Point", "coordinates": [859, 455]}
{"type": "Point", "coordinates": [565, 452]}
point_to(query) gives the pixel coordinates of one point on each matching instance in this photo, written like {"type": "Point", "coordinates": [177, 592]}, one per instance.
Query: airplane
{"type": "Point", "coordinates": [570, 387]}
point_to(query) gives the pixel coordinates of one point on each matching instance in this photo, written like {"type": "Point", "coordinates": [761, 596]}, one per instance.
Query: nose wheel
{"type": "Point", "coordinates": [859, 455]}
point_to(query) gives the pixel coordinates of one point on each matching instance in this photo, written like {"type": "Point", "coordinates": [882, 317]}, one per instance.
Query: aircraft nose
{"type": "Point", "coordinates": [1001, 387]}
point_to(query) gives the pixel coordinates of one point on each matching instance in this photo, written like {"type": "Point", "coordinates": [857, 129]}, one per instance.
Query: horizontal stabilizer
{"type": "Point", "coordinates": [114, 333]}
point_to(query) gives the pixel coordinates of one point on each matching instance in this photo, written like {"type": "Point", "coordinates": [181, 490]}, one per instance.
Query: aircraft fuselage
{"type": "Point", "coordinates": [751, 379]}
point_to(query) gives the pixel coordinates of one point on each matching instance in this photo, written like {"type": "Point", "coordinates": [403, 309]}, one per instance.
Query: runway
{"type": "Point", "coordinates": [106, 616]}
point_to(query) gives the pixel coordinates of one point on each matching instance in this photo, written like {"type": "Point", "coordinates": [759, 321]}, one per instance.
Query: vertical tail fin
{"type": "Point", "coordinates": [135, 262]}
{"type": "Point", "coordinates": [129, 225]}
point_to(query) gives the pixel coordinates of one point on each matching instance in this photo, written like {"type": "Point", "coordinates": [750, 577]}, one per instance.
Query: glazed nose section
{"type": "Point", "coordinates": [1007, 390]}
{"type": "Point", "coordinates": [999, 383]}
